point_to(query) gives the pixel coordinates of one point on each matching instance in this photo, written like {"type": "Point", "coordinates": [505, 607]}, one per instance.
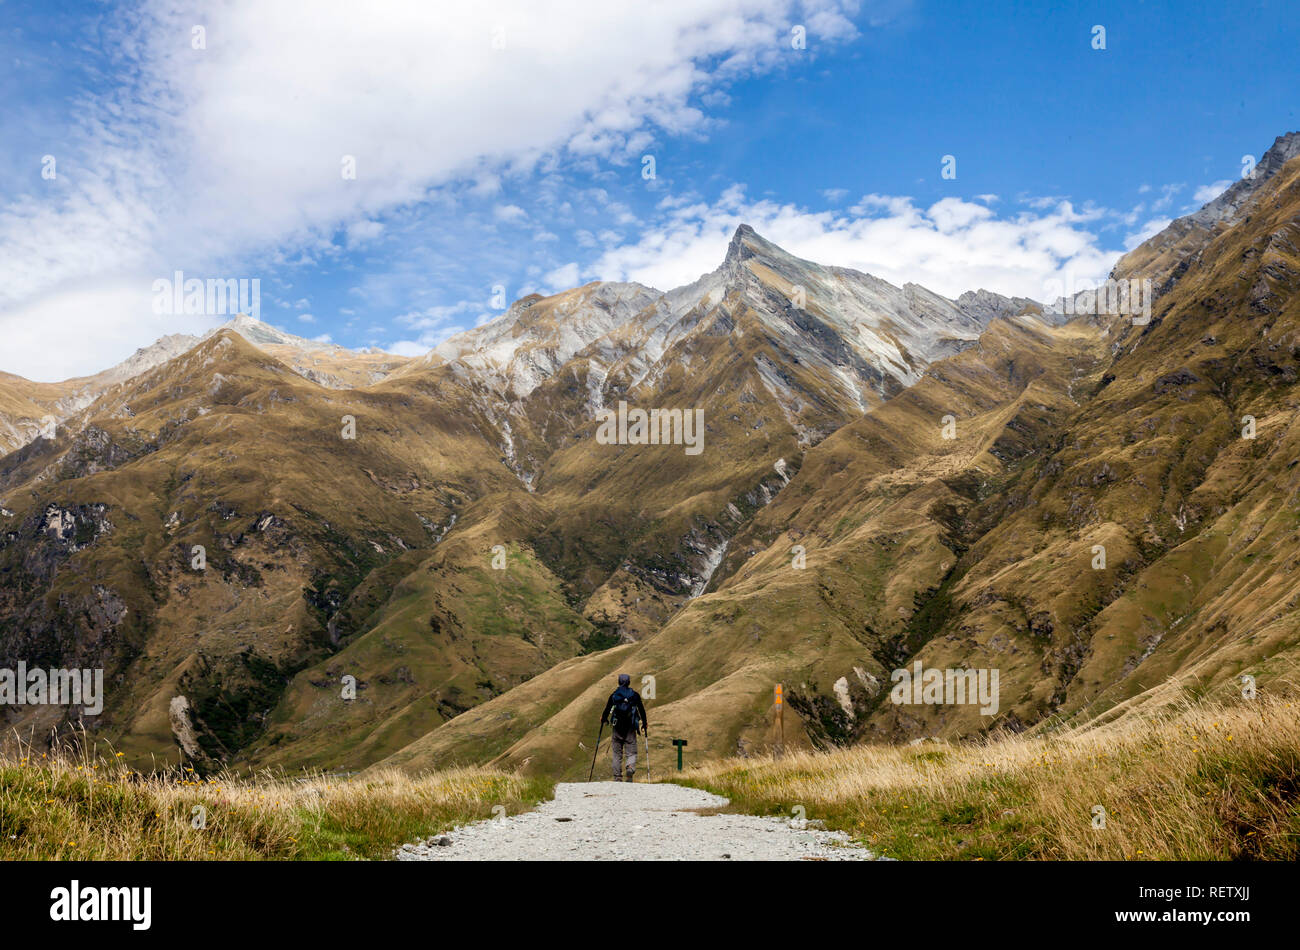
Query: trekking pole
{"type": "Point", "coordinates": [600, 732]}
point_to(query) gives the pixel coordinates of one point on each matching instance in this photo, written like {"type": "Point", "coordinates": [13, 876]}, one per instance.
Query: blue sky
{"type": "Point", "coordinates": [503, 145]}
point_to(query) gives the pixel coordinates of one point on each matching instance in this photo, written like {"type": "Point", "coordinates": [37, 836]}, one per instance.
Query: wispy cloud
{"type": "Point", "coordinates": [296, 126]}
{"type": "Point", "coordinates": [1207, 193]}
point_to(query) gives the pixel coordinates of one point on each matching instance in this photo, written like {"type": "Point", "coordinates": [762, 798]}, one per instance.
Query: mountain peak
{"type": "Point", "coordinates": [747, 243]}
{"type": "Point", "coordinates": [1285, 147]}
{"type": "Point", "coordinates": [736, 249]}
{"type": "Point", "coordinates": [1228, 207]}
{"type": "Point", "coordinates": [1160, 256]}
{"type": "Point", "coordinates": [263, 334]}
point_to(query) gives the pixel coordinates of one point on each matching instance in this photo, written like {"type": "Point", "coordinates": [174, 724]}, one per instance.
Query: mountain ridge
{"type": "Point", "coordinates": [1004, 575]}
{"type": "Point", "coordinates": [455, 537]}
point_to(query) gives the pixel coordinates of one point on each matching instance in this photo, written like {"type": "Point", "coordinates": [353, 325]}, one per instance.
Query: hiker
{"type": "Point", "coordinates": [625, 713]}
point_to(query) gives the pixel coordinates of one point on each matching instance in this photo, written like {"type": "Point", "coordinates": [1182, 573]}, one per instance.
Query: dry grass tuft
{"type": "Point", "coordinates": [75, 804]}
{"type": "Point", "coordinates": [1209, 782]}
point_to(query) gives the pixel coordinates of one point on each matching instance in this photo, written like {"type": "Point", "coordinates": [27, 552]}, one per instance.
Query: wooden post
{"type": "Point", "coordinates": [679, 743]}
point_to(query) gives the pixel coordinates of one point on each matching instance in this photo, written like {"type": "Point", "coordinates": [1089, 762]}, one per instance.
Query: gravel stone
{"type": "Point", "coordinates": [600, 821]}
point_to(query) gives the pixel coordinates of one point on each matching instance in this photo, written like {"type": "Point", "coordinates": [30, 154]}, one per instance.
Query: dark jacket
{"type": "Point", "coordinates": [636, 701]}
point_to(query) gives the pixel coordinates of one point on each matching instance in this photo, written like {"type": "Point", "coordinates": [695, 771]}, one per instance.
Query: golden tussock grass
{"type": "Point", "coordinates": [77, 805]}
{"type": "Point", "coordinates": [1207, 782]}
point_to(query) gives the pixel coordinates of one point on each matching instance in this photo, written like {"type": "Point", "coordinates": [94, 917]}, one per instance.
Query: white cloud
{"type": "Point", "coordinates": [362, 232]}
{"type": "Point", "coordinates": [239, 149]}
{"type": "Point", "coordinates": [1167, 193]}
{"type": "Point", "coordinates": [509, 213]}
{"type": "Point", "coordinates": [951, 247]}
{"type": "Point", "coordinates": [408, 347]}
{"type": "Point", "coordinates": [1207, 193]}
{"type": "Point", "coordinates": [82, 326]}
{"type": "Point", "coordinates": [953, 214]}
{"type": "Point", "coordinates": [562, 278]}
{"type": "Point", "coordinates": [435, 324]}
{"type": "Point", "coordinates": [1148, 230]}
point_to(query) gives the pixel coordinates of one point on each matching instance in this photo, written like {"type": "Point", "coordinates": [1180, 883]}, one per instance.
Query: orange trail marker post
{"type": "Point", "coordinates": [780, 715]}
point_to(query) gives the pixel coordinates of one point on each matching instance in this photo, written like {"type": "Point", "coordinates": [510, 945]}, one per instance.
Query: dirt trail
{"type": "Point", "coordinates": [614, 821]}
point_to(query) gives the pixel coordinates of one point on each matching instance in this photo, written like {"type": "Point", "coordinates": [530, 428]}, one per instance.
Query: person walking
{"type": "Point", "coordinates": [626, 715]}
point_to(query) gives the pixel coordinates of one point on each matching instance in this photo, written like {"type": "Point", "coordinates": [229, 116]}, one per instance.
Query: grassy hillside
{"type": "Point", "coordinates": [930, 497]}
{"type": "Point", "coordinates": [876, 508]}
{"type": "Point", "coordinates": [86, 807]}
{"type": "Point", "coordinates": [23, 404]}
{"type": "Point", "coordinates": [349, 521]}
{"type": "Point", "coordinates": [1213, 782]}
{"type": "Point", "coordinates": [1112, 527]}
{"type": "Point", "coordinates": [1210, 781]}
{"type": "Point", "coordinates": [452, 633]}
{"type": "Point", "coordinates": [305, 534]}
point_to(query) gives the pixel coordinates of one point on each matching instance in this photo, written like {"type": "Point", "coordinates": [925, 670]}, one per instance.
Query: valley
{"type": "Point", "coordinates": [480, 538]}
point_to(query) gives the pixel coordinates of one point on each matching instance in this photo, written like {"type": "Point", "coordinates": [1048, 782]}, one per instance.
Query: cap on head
{"type": "Point", "coordinates": [624, 679]}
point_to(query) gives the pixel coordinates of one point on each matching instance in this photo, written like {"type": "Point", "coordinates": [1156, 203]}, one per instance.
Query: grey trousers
{"type": "Point", "coordinates": [624, 748]}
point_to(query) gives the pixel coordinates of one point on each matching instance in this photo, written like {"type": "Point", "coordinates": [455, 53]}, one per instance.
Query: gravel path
{"type": "Point", "coordinates": [612, 821]}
